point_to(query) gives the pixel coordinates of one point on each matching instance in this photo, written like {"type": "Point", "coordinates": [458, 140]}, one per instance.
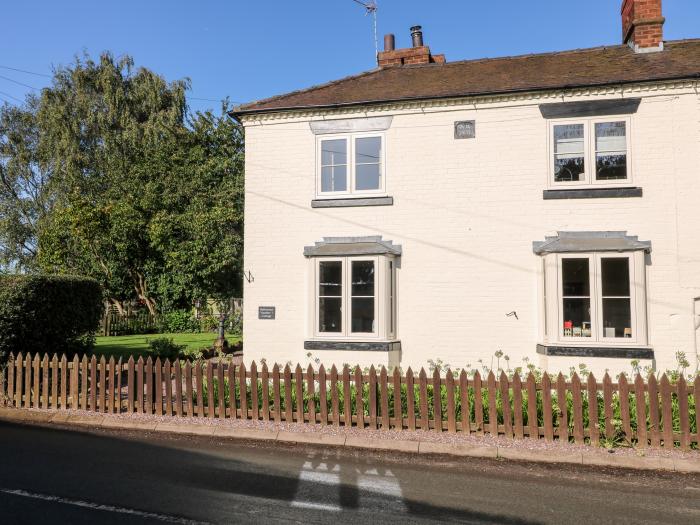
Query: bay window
{"type": "Point", "coordinates": [350, 164]}
{"type": "Point", "coordinates": [592, 151]}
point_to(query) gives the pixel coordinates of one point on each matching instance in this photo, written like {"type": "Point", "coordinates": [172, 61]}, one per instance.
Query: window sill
{"type": "Point", "coordinates": [591, 193]}
{"type": "Point", "coordinates": [366, 346]}
{"type": "Point", "coordinates": [615, 352]}
{"type": "Point", "coordinates": [348, 202]}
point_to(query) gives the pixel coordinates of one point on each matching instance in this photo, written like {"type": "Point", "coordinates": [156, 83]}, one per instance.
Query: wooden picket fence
{"type": "Point", "coordinates": [116, 324]}
{"type": "Point", "coordinates": [644, 413]}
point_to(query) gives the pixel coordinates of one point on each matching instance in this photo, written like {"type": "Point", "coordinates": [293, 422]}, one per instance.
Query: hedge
{"type": "Point", "coordinates": [48, 313]}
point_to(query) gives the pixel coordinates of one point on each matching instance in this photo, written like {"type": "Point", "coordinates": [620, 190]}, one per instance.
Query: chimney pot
{"type": "Point", "coordinates": [417, 36]}
{"type": "Point", "coordinates": [389, 42]}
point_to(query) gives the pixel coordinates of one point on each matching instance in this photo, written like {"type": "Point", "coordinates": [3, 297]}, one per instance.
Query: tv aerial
{"type": "Point", "coordinates": [370, 7]}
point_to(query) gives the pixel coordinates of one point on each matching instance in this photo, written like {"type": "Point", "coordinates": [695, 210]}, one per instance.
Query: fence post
{"type": "Point", "coordinates": [221, 388]}
{"type": "Point", "coordinates": [478, 405]}
{"type": "Point", "coordinates": [254, 401]}
{"type": "Point", "coordinates": [398, 413]}
{"type": "Point", "coordinates": [347, 402]}
{"type": "Point", "coordinates": [74, 384]}
{"type": "Point", "coordinates": [359, 402]}
{"type": "Point", "coordinates": [450, 389]}
{"type": "Point", "coordinates": [423, 391]}
{"type": "Point", "coordinates": [682, 391]}
{"type": "Point", "coordinates": [277, 398]}
{"type": "Point", "coordinates": [547, 407]}
{"type": "Point", "coordinates": [322, 395]}
{"type": "Point", "coordinates": [532, 423]}
{"type": "Point", "coordinates": [577, 409]}
{"type": "Point", "coordinates": [666, 412]}
{"type": "Point", "coordinates": [505, 402]}
{"type": "Point", "coordinates": [310, 386]}
{"type": "Point", "coordinates": [130, 385]}
{"type": "Point", "coordinates": [410, 400]}
{"type": "Point", "coordinates": [335, 408]}
{"type": "Point", "coordinates": [518, 407]}
{"type": "Point", "coordinates": [641, 405]}
{"type": "Point", "coordinates": [437, 400]}
{"type": "Point", "coordinates": [493, 410]}
{"type": "Point", "coordinates": [266, 392]}
{"type": "Point", "coordinates": [372, 409]}
{"type": "Point", "coordinates": [593, 418]}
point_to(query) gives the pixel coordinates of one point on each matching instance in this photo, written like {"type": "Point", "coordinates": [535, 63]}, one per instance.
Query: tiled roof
{"type": "Point", "coordinates": [579, 68]}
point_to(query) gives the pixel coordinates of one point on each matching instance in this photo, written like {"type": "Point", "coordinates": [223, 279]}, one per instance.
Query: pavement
{"type": "Point", "coordinates": [106, 475]}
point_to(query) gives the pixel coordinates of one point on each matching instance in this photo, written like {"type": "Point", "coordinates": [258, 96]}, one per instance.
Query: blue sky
{"type": "Point", "coordinates": [252, 49]}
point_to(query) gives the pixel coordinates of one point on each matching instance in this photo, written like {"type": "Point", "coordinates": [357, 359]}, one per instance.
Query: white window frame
{"type": "Point", "coordinates": [382, 302]}
{"type": "Point", "coordinates": [350, 139]}
{"type": "Point", "coordinates": [637, 298]}
{"type": "Point", "coordinates": [589, 152]}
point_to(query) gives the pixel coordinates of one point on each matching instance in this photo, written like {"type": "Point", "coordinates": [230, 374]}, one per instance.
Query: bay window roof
{"type": "Point", "coordinates": [575, 242]}
{"type": "Point", "coordinates": [346, 246]}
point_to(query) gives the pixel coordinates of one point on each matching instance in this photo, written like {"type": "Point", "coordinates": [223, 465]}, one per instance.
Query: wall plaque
{"type": "Point", "coordinates": [266, 312]}
{"type": "Point", "coordinates": [465, 129]}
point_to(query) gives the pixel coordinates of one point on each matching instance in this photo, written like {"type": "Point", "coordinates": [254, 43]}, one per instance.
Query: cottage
{"type": "Point", "coordinates": [546, 206]}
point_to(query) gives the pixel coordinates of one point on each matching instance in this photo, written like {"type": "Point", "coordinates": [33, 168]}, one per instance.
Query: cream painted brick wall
{"type": "Point", "coordinates": [466, 213]}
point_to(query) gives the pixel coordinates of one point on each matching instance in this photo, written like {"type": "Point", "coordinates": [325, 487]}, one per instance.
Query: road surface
{"type": "Point", "coordinates": [50, 475]}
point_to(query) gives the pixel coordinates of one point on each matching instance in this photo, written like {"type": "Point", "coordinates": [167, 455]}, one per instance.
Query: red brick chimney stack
{"type": "Point", "coordinates": [418, 54]}
{"type": "Point", "coordinates": [642, 25]}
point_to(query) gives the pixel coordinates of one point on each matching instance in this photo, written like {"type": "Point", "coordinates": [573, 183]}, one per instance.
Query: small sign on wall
{"type": "Point", "coordinates": [266, 312]}
{"type": "Point", "coordinates": [465, 129]}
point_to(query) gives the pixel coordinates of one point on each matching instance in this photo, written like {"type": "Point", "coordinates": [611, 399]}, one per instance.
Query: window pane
{"type": "Point", "coordinates": [334, 152]}
{"type": "Point", "coordinates": [330, 278]}
{"type": "Point", "coordinates": [577, 317]}
{"type": "Point", "coordinates": [367, 177]}
{"type": "Point", "coordinates": [330, 314]}
{"type": "Point", "coordinates": [569, 164]}
{"type": "Point", "coordinates": [363, 314]}
{"type": "Point", "coordinates": [610, 136]}
{"type": "Point", "coordinates": [368, 150]}
{"type": "Point", "coordinates": [617, 318]}
{"type": "Point", "coordinates": [575, 277]}
{"type": "Point", "coordinates": [615, 275]}
{"type": "Point", "coordinates": [611, 166]}
{"type": "Point", "coordinates": [334, 178]}
{"type": "Point", "coordinates": [363, 278]}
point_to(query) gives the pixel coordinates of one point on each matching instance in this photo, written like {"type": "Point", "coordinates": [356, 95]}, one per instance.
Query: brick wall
{"type": "Point", "coordinates": [466, 213]}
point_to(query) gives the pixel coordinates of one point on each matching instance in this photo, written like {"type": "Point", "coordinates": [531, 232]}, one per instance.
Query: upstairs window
{"type": "Point", "coordinates": [592, 151]}
{"type": "Point", "coordinates": [350, 165]}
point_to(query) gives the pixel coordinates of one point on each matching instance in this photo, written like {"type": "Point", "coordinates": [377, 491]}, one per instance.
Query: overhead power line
{"type": "Point", "coordinates": [25, 71]}
{"type": "Point", "coordinates": [11, 96]}
{"type": "Point", "coordinates": [18, 82]}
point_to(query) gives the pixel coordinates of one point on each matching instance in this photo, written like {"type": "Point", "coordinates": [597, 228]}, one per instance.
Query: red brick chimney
{"type": "Point", "coordinates": [417, 54]}
{"type": "Point", "coordinates": [642, 25]}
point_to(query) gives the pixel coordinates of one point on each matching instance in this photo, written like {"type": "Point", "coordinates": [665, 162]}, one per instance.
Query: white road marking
{"type": "Point", "coordinates": [99, 506]}
{"type": "Point", "coordinates": [369, 481]}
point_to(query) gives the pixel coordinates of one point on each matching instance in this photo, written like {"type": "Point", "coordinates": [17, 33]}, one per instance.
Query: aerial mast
{"type": "Point", "coordinates": [371, 9]}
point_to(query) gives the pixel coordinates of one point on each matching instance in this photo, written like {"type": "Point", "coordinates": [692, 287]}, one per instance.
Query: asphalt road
{"type": "Point", "coordinates": [65, 476]}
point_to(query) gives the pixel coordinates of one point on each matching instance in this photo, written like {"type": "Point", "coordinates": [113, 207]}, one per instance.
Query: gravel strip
{"type": "Point", "coordinates": [404, 435]}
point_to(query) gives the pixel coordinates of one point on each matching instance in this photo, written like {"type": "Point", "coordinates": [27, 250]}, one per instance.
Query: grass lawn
{"type": "Point", "coordinates": [126, 345]}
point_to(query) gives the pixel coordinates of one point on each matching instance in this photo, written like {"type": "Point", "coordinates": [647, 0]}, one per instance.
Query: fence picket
{"type": "Point", "coordinates": [45, 382]}
{"type": "Point", "coordinates": [110, 386]}
{"type": "Point", "coordinates": [437, 401]}
{"type": "Point", "coordinates": [84, 383]}
{"type": "Point", "coordinates": [102, 384]}
{"type": "Point", "coordinates": [547, 407]}
{"type": "Point", "coordinates": [465, 411]}
{"type": "Point", "coordinates": [505, 402]}
{"type": "Point", "coordinates": [36, 370]}
{"type": "Point", "coordinates": [518, 407]}
{"type": "Point", "coordinates": [423, 402]}
{"type": "Point", "coordinates": [666, 412]}
{"type": "Point", "coordinates": [478, 404]}
{"type": "Point", "coordinates": [624, 397]}
{"type": "Point", "coordinates": [265, 393]}
{"type": "Point", "coordinates": [682, 391]}
{"type": "Point", "coordinates": [322, 395]}
{"type": "Point", "coordinates": [299, 391]}
{"type": "Point", "coordinates": [243, 389]}
{"type": "Point", "coordinates": [189, 393]}
{"type": "Point", "coordinates": [450, 391]}
{"type": "Point", "coordinates": [310, 386]}
{"type": "Point", "coordinates": [277, 401]}
{"type": "Point", "coordinates": [19, 364]}
{"type": "Point", "coordinates": [372, 398]}
{"type": "Point", "coordinates": [158, 387]}
{"type": "Point", "coordinates": [384, 399]}
{"type": "Point", "coordinates": [359, 402]}
{"type": "Point", "coordinates": [641, 413]}
{"type": "Point", "coordinates": [232, 399]}
{"type": "Point", "coordinates": [493, 410]}
{"type": "Point", "coordinates": [168, 383]}
{"type": "Point", "coordinates": [532, 423]}
{"type": "Point", "coordinates": [410, 400]}
{"type": "Point", "coordinates": [199, 378]}
{"type": "Point", "coordinates": [221, 389]}
{"type": "Point", "coordinates": [563, 420]}
{"type": "Point", "coordinates": [398, 412]}
{"type": "Point", "coordinates": [347, 402]}
{"type": "Point", "coordinates": [11, 380]}
{"type": "Point", "coordinates": [54, 382]}
{"type": "Point", "coordinates": [608, 406]}
{"type": "Point", "coordinates": [74, 382]}
{"type": "Point", "coordinates": [118, 395]}
{"type": "Point", "coordinates": [577, 412]}
{"type": "Point", "coordinates": [593, 418]}
{"type": "Point", "coordinates": [335, 408]}
{"type": "Point", "coordinates": [63, 365]}
{"type": "Point", "coordinates": [288, 405]}
{"type": "Point", "coordinates": [178, 388]}
{"type": "Point", "coordinates": [210, 408]}
{"type": "Point", "coordinates": [27, 381]}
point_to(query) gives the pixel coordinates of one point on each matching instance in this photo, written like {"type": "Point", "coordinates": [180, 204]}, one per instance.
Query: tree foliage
{"type": "Point", "coordinates": [144, 198]}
